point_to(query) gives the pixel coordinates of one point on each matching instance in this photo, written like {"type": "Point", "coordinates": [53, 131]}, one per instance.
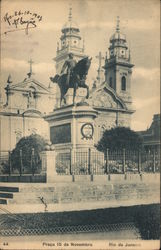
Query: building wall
{"type": "Point", "coordinates": [151, 136]}
{"type": "Point", "coordinates": [107, 120]}
{"type": "Point", "coordinates": [110, 74]}
{"type": "Point", "coordinates": [116, 72]}
{"type": "Point", "coordinates": [46, 104]}
{"type": "Point", "coordinates": [14, 126]}
{"type": "Point", "coordinates": [124, 94]}
{"type": "Point", "coordinates": [20, 101]}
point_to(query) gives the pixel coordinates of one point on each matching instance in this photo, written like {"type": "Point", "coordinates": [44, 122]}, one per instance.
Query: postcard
{"type": "Point", "coordinates": [80, 124]}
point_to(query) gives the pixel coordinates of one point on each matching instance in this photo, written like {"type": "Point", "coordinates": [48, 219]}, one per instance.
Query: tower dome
{"type": "Point", "coordinates": [70, 25]}
{"type": "Point", "coordinates": [118, 38]}
{"type": "Point", "coordinates": [118, 35]}
{"type": "Point", "coordinates": [70, 33]}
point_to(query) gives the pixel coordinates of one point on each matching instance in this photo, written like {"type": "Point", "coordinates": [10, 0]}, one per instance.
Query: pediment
{"type": "Point", "coordinates": [29, 84]}
{"type": "Point", "coordinates": [103, 97]}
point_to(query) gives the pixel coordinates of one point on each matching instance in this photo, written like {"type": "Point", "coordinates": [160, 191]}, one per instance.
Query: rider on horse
{"type": "Point", "coordinates": [69, 64]}
{"type": "Point", "coordinates": [75, 77]}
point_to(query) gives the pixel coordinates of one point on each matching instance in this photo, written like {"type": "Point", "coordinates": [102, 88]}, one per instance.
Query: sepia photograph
{"type": "Point", "coordinates": [80, 125]}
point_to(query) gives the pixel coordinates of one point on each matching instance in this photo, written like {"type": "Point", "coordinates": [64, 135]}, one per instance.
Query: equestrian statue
{"type": "Point", "coordinates": [75, 76]}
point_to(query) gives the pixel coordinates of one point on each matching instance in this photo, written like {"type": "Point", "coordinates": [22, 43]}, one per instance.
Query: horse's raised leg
{"type": "Point", "coordinates": [74, 93]}
{"type": "Point", "coordinates": [86, 86]}
{"type": "Point", "coordinates": [61, 98]}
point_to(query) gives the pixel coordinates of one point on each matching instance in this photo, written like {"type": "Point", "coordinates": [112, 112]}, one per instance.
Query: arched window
{"type": "Point", "coordinates": [110, 82]}
{"type": "Point", "coordinates": [123, 83]}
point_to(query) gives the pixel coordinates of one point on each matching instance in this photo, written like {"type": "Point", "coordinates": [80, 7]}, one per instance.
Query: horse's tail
{"type": "Point", "coordinates": [55, 78]}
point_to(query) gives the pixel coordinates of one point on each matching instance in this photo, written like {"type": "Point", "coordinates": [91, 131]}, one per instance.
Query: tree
{"type": "Point", "coordinates": [119, 138]}
{"type": "Point", "coordinates": [26, 154]}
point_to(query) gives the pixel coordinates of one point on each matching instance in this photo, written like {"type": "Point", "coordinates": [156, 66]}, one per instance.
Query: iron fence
{"type": "Point", "coordinates": [93, 162]}
{"type": "Point", "coordinates": [84, 162]}
{"type": "Point", "coordinates": [63, 163]}
{"type": "Point", "coordinates": [151, 161]}
{"type": "Point", "coordinates": [22, 163]}
{"type": "Point", "coordinates": [4, 156]}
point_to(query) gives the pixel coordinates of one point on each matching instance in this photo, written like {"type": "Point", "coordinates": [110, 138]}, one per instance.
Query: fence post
{"type": "Point", "coordinates": [32, 161]}
{"type": "Point", "coordinates": [123, 162]}
{"type": "Point", "coordinates": [10, 167]}
{"type": "Point", "coordinates": [139, 161]}
{"type": "Point", "coordinates": [154, 163]}
{"type": "Point", "coordinates": [107, 165]}
{"type": "Point", "coordinates": [21, 166]}
{"type": "Point", "coordinates": [89, 161]}
{"type": "Point", "coordinates": [70, 166]}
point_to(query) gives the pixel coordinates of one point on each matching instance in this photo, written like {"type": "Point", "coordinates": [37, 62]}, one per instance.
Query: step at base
{"type": "Point", "coordinates": [9, 189]}
{"type": "Point", "coordinates": [6, 195]}
{"type": "Point", "coordinates": [3, 201]}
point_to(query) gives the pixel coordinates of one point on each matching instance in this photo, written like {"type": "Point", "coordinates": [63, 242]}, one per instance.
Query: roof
{"type": "Point", "coordinates": [118, 36]}
{"type": "Point", "coordinates": [70, 25]}
{"type": "Point", "coordinates": [152, 134]}
{"type": "Point", "coordinates": [27, 84]}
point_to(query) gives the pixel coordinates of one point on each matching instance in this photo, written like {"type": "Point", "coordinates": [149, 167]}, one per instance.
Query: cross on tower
{"type": "Point", "coordinates": [118, 24]}
{"type": "Point", "coordinates": [100, 58]}
{"type": "Point", "coordinates": [30, 62]}
{"type": "Point", "coordinates": [70, 13]}
{"type": "Point", "coordinates": [70, 22]}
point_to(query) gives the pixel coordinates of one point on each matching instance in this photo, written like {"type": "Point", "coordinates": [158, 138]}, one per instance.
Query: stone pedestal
{"type": "Point", "coordinates": [72, 127]}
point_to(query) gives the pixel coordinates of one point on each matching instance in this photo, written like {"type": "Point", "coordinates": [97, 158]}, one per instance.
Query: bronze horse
{"type": "Point", "coordinates": [77, 79]}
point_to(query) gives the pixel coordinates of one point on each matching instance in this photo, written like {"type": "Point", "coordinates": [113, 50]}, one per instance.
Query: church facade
{"type": "Point", "coordinates": [22, 113]}
{"type": "Point", "coordinates": [29, 101]}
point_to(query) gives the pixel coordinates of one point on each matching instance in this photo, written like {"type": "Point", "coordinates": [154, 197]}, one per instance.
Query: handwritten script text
{"type": "Point", "coordinates": [22, 20]}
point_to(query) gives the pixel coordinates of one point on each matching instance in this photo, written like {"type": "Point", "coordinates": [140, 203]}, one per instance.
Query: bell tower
{"type": "Point", "coordinates": [70, 42]}
{"type": "Point", "coordinates": [118, 67]}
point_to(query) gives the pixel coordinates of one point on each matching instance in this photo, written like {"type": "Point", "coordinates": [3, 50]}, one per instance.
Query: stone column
{"type": "Point", "coordinates": [51, 166]}
{"type": "Point", "coordinates": [48, 158]}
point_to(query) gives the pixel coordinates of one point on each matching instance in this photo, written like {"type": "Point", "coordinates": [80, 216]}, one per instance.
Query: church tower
{"type": "Point", "coordinates": [118, 67]}
{"type": "Point", "coordinates": [70, 42]}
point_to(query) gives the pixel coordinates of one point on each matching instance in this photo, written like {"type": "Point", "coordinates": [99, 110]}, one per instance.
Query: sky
{"type": "Point", "coordinates": [139, 20]}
